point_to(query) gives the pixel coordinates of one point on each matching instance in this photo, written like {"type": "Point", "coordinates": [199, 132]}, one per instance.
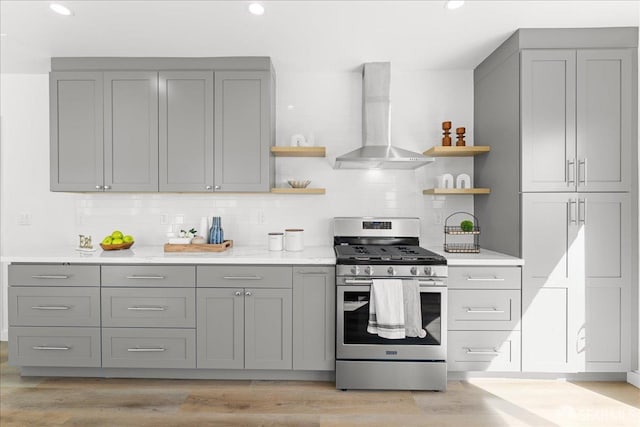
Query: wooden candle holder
{"type": "Point", "coordinates": [460, 134]}
{"type": "Point", "coordinates": [446, 139]}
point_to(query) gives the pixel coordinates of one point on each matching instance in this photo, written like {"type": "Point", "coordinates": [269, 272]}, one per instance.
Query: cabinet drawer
{"type": "Point", "coordinates": [149, 276]}
{"type": "Point", "coordinates": [483, 351]}
{"type": "Point", "coordinates": [53, 275]}
{"type": "Point", "coordinates": [145, 307]}
{"type": "Point", "coordinates": [54, 306]}
{"type": "Point", "coordinates": [484, 309]}
{"type": "Point", "coordinates": [51, 346]}
{"type": "Point", "coordinates": [484, 278]}
{"type": "Point", "coordinates": [148, 348]}
{"type": "Point", "coordinates": [232, 276]}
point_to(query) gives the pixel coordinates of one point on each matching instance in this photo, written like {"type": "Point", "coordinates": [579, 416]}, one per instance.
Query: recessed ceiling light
{"type": "Point", "coordinates": [256, 9]}
{"type": "Point", "coordinates": [62, 10]}
{"type": "Point", "coordinates": [454, 4]}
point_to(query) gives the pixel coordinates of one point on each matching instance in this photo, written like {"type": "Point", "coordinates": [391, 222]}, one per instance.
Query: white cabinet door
{"type": "Point", "coordinates": [553, 305]}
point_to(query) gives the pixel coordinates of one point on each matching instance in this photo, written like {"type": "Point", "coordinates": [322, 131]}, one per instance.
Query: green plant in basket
{"type": "Point", "coordinates": [466, 225]}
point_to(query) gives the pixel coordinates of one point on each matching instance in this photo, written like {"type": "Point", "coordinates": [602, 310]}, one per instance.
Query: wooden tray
{"type": "Point", "coordinates": [199, 247]}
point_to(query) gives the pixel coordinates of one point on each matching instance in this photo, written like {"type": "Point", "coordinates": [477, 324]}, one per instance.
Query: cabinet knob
{"type": "Point", "coordinates": [217, 187]}
{"type": "Point", "coordinates": [248, 293]}
{"type": "Point", "coordinates": [238, 293]}
{"type": "Point", "coordinates": [107, 187]}
{"type": "Point", "coordinates": [98, 187]}
{"type": "Point", "coordinates": [208, 187]}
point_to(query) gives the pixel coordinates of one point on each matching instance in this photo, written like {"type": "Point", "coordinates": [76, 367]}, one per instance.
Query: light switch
{"type": "Point", "coordinates": [24, 218]}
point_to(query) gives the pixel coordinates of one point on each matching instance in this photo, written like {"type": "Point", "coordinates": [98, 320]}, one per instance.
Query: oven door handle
{"type": "Point", "coordinates": [358, 282]}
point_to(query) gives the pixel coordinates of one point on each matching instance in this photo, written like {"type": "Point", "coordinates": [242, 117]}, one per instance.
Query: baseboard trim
{"type": "Point", "coordinates": [4, 335]}
{"type": "Point", "coordinates": [564, 376]}
{"type": "Point", "coordinates": [633, 378]}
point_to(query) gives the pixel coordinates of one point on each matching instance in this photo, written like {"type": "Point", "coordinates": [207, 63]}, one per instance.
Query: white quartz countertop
{"type": "Point", "coordinates": [318, 255]}
{"type": "Point", "coordinates": [484, 258]}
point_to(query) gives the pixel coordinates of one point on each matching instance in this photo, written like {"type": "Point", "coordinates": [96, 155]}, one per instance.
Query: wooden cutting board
{"type": "Point", "coordinates": [198, 247]}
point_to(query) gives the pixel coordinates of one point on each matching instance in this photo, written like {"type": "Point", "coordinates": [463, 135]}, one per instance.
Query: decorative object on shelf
{"type": "Point", "coordinates": [299, 183]}
{"type": "Point", "coordinates": [298, 140]}
{"type": "Point", "coordinates": [468, 225]}
{"type": "Point", "coordinates": [463, 181]}
{"type": "Point", "coordinates": [220, 247]}
{"type": "Point", "coordinates": [216, 233]}
{"type": "Point", "coordinates": [276, 241]}
{"type": "Point", "coordinates": [198, 240]}
{"type": "Point", "coordinates": [444, 181]}
{"type": "Point", "coordinates": [446, 139]}
{"type": "Point", "coordinates": [460, 135]}
{"type": "Point", "coordinates": [309, 141]}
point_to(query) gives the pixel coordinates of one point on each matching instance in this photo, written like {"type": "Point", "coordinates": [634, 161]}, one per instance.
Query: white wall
{"type": "Point", "coordinates": [327, 104]}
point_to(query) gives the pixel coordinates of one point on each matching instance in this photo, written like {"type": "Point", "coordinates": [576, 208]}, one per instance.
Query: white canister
{"type": "Point", "coordinates": [276, 241]}
{"type": "Point", "coordinates": [293, 239]}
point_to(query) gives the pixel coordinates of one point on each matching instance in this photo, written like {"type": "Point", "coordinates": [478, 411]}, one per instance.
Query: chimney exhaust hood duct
{"type": "Point", "coordinates": [377, 151]}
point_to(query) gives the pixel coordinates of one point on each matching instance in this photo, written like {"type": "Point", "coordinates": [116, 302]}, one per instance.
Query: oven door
{"type": "Point", "coordinates": [353, 342]}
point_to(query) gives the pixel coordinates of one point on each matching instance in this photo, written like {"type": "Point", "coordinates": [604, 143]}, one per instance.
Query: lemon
{"type": "Point", "coordinates": [127, 239]}
{"type": "Point", "coordinates": [117, 234]}
{"type": "Point", "coordinates": [117, 241]}
{"type": "Point", "coordinates": [107, 240]}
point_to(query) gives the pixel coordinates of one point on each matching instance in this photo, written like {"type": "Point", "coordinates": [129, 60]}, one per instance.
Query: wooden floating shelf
{"type": "Point", "coordinates": [299, 151]}
{"type": "Point", "coordinates": [283, 190]}
{"type": "Point", "coordinates": [444, 191]}
{"type": "Point", "coordinates": [455, 151]}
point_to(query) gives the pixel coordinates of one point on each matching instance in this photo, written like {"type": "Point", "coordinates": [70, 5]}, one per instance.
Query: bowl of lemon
{"type": "Point", "coordinates": [116, 241]}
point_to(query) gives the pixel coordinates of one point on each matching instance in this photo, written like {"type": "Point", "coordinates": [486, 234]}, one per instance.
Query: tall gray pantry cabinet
{"type": "Point", "coordinates": [162, 124]}
{"type": "Point", "coordinates": [559, 108]}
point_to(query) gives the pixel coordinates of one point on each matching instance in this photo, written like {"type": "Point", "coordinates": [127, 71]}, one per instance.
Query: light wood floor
{"type": "Point", "coordinates": [483, 402]}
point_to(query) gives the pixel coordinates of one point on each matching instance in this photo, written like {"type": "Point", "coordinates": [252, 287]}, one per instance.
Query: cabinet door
{"type": "Point", "coordinates": [268, 329]}
{"type": "Point", "coordinates": [548, 111]}
{"type": "Point", "coordinates": [604, 119]}
{"type": "Point", "coordinates": [553, 288]}
{"type": "Point", "coordinates": [314, 307]}
{"type": "Point", "coordinates": [131, 131]}
{"type": "Point", "coordinates": [220, 328]}
{"type": "Point", "coordinates": [186, 131]}
{"type": "Point", "coordinates": [242, 131]}
{"type": "Point", "coordinates": [76, 126]}
{"type": "Point", "coordinates": [606, 221]}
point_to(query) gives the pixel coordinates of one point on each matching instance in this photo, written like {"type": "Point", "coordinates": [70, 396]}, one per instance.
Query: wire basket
{"type": "Point", "coordinates": [458, 230]}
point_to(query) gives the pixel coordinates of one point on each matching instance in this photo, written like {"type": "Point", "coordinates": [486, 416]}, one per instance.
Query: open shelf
{"type": "Point", "coordinates": [285, 190]}
{"type": "Point", "coordinates": [455, 151]}
{"type": "Point", "coordinates": [443, 191]}
{"type": "Point", "coordinates": [298, 151]}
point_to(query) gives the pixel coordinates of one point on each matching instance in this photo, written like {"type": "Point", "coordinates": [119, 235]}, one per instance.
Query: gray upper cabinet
{"type": "Point", "coordinates": [76, 124]}
{"type": "Point", "coordinates": [186, 131]}
{"type": "Point", "coordinates": [131, 131]}
{"type": "Point", "coordinates": [162, 124]}
{"type": "Point", "coordinates": [243, 131]}
{"type": "Point", "coordinates": [576, 108]}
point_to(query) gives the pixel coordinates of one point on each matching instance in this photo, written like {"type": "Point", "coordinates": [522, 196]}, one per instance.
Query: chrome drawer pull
{"type": "Point", "coordinates": [51, 307]}
{"type": "Point", "coordinates": [150, 308]}
{"type": "Point", "coordinates": [358, 282]}
{"type": "Point", "coordinates": [431, 283]}
{"type": "Point", "coordinates": [45, 347]}
{"type": "Point", "coordinates": [49, 276]}
{"type": "Point", "coordinates": [242, 277]}
{"type": "Point", "coordinates": [313, 272]}
{"type": "Point", "coordinates": [483, 310]}
{"type": "Point", "coordinates": [492, 352]}
{"type": "Point", "coordinates": [485, 279]}
{"type": "Point", "coordinates": [146, 350]}
{"type": "Point", "coordinates": [146, 277]}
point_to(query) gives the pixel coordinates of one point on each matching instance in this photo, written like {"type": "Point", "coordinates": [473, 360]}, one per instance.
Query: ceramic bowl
{"type": "Point", "coordinates": [299, 183]}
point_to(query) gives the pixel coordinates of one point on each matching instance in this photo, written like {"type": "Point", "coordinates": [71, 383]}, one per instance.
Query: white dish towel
{"type": "Point", "coordinates": [412, 309]}
{"type": "Point", "coordinates": [386, 309]}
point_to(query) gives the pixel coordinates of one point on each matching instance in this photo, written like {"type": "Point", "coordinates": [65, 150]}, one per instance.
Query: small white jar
{"type": "Point", "coordinates": [276, 241]}
{"type": "Point", "coordinates": [293, 239]}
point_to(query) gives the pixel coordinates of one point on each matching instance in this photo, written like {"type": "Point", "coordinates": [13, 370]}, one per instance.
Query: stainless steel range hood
{"type": "Point", "coordinates": [377, 151]}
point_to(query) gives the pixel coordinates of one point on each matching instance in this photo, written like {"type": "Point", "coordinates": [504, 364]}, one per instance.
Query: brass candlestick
{"type": "Point", "coordinates": [460, 134]}
{"type": "Point", "coordinates": [446, 139]}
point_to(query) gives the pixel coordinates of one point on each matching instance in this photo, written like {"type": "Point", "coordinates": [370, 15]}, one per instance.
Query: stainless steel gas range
{"type": "Point", "coordinates": [369, 249]}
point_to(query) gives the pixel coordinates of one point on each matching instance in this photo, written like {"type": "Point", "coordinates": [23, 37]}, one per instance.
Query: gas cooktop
{"type": "Point", "coordinates": [387, 254]}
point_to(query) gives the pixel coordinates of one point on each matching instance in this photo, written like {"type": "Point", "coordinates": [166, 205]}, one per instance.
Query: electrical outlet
{"type": "Point", "coordinates": [24, 218]}
{"type": "Point", "coordinates": [164, 219]}
{"type": "Point", "coordinates": [260, 216]}
{"type": "Point", "coordinates": [437, 218]}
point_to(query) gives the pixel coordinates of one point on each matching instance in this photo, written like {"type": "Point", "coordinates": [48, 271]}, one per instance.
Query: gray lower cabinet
{"type": "Point", "coordinates": [314, 305]}
{"type": "Point", "coordinates": [54, 346]}
{"type": "Point", "coordinates": [483, 319]}
{"type": "Point", "coordinates": [244, 328]}
{"type": "Point", "coordinates": [148, 348]}
{"type": "Point", "coordinates": [54, 306]}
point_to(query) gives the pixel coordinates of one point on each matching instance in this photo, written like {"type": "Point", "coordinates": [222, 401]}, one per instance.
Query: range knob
{"type": "Point", "coordinates": [414, 271]}
{"type": "Point", "coordinates": [369, 271]}
{"type": "Point", "coordinates": [391, 271]}
{"type": "Point", "coordinates": [355, 270]}
{"type": "Point", "coordinates": [427, 271]}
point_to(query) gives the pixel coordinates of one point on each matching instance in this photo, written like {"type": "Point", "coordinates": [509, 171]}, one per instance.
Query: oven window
{"type": "Point", "coordinates": [356, 318]}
